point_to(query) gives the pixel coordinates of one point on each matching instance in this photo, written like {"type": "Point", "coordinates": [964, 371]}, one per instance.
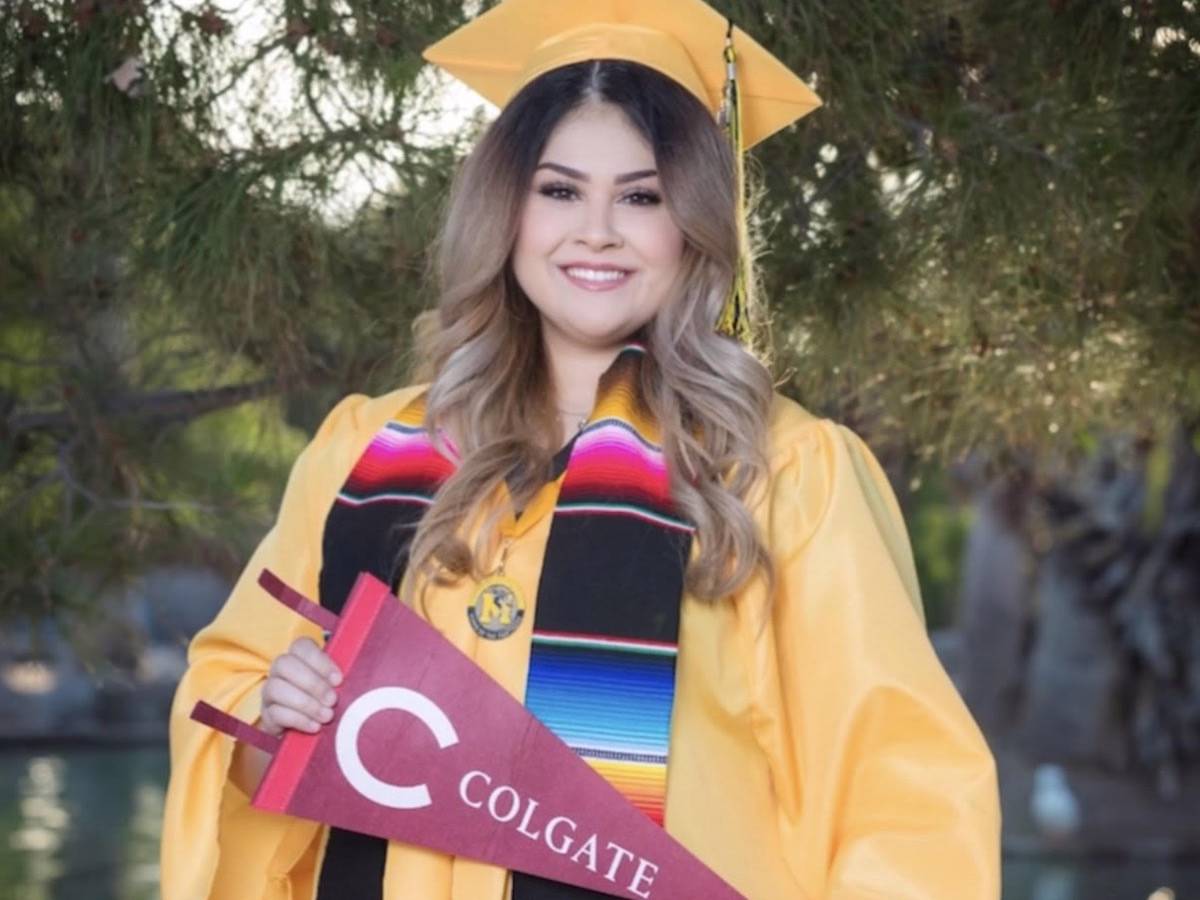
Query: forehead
{"type": "Point", "coordinates": [598, 139]}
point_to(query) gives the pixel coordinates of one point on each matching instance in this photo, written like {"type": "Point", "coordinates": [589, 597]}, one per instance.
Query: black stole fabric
{"type": "Point", "coordinates": [619, 575]}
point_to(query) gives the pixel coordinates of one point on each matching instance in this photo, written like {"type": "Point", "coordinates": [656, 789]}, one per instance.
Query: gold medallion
{"type": "Point", "coordinates": [498, 608]}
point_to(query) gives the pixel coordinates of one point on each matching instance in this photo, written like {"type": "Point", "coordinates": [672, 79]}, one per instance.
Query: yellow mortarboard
{"type": "Point", "coordinates": [513, 43]}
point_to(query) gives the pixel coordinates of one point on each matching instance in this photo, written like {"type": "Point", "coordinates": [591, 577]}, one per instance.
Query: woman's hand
{"type": "Point", "coordinates": [298, 692]}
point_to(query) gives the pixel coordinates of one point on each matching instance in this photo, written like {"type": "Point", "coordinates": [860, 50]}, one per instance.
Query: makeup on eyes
{"type": "Point", "coordinates": [563, 190]}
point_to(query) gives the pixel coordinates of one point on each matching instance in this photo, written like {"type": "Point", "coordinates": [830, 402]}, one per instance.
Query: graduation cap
{"type": "Point", "coordinates": [753, 93]}
{"type": "Point", "coordinates": [513, 43]}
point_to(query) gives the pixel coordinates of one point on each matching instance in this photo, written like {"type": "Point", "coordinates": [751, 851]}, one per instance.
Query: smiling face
{"type": "Point", "coordinates": [597, 251]}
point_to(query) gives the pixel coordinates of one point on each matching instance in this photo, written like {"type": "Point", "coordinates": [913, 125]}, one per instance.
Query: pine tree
{"type": "Point", "coordinates": [988, 239]}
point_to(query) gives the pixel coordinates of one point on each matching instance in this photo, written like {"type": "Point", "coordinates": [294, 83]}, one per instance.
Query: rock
{"type": "Point", "coordinates": [110, 675]}
{"type": "Point", "coordinates": [41, 697]}
{"type": "Point", "coordinates": [994, 614]}
{"type": "Point", "coordinates": [1073, 691]}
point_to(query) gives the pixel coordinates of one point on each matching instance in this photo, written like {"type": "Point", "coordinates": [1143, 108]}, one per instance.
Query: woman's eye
{"type": "Point", "coordinates": [643, 197]}
{"type": "Point", "coordinates": [558, 191]}
{"type": "Point", "coordinates": [563, 191]}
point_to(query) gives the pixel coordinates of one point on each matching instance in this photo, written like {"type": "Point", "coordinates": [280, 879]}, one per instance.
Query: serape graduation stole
{"type": "Point", "coordinates": [602, 667]}
{"type": "Point", "coordinates": [605, 631]}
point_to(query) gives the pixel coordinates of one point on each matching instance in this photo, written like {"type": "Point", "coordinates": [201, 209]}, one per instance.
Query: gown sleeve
{"type": "Point", "coordinates": [214, 844]}
{"type": "Point", "coordinates": [886, 786]}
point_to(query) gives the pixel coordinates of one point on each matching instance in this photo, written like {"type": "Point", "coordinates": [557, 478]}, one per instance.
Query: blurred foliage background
{"type": "Point", "coordinates": [983, 252]}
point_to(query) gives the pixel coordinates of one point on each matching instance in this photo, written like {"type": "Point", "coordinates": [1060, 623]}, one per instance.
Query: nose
{"type": "Point", "coordinates": [596, 230]}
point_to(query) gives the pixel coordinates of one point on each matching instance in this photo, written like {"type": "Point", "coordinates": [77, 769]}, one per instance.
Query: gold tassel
{"type": "Point", "coordinates": [735, 314]}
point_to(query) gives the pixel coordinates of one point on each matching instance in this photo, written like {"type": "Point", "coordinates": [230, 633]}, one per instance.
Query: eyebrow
{"type": "Point", "coordinates": [583, 176]}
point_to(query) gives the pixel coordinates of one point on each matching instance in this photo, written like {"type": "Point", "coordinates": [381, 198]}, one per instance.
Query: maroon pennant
{"type": "Point", "coordinates": [425, 748]}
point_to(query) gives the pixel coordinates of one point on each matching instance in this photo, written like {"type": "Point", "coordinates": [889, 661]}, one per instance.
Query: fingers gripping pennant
{"type": "Point", "coordinates": [427, 749]}
{"type": "Point", "coordinates": [207, 714]}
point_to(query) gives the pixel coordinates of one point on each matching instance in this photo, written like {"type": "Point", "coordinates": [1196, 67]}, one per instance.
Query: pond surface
{"type": "Point", "coordinates": [83, 824]}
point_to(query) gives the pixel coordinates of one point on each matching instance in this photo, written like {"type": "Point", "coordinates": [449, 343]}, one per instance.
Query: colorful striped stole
{"type": "Point", "coordinates": [602, 662]}
{"type": "Point", "coordinates": [602, 666]}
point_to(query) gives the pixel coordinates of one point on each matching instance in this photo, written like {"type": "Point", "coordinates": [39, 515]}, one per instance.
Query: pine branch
{"type": "Point", "coordinates": [153, 408]}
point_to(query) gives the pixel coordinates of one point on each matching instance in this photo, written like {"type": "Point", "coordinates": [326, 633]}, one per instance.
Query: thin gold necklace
{"type": "Point", "coordinates": [579, 419]}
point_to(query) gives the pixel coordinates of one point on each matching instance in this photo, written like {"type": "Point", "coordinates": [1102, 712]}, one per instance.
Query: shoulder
{"type": "Point", "coordinates": [797, 437]}
{"type": "Point", "coordinates": [816, 464]}
{"type": "Point", "coordinates": [349, 427]}
{"type": "Point", "coordinates": [789, 423]}
{"type": "Point", "coordinates": [356, 414]}
{"type": "Point", "coordinates": [798, 468]}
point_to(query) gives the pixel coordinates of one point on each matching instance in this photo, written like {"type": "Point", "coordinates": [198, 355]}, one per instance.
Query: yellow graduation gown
{"type": "Point", "coordinates": [818, 749]}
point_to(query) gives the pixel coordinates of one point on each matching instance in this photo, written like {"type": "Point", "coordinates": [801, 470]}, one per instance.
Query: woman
{"type": "Point", "coordinates": [589, 442]}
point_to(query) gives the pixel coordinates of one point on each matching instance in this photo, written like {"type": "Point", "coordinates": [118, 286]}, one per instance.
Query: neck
{"type": "Point", "coordinates": [575, 374]}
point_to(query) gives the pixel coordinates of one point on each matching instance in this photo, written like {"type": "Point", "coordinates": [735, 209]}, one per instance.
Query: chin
{"type": "Point", "coordinates": [597, 334]}
{"type": "Point", "coordinates": [601, 340]}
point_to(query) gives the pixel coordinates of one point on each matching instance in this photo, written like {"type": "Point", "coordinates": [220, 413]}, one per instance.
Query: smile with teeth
{"type": "Point", "coordinates": [596, 278]}
{"type": "Point", "coordinates": [597, 274]}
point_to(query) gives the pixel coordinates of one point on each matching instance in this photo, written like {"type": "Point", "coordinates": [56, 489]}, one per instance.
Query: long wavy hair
{"type": "Point", "coordinates": [481, 347]}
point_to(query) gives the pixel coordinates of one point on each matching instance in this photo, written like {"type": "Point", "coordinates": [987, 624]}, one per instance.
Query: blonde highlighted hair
{"type": "Point", "coordinates": [481, 347]}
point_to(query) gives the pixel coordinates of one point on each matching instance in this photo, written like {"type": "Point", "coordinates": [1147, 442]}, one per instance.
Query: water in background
{"type": "Point", "coordinates": [83, 824]}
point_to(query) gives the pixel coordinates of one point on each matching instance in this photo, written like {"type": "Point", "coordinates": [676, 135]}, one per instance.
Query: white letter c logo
{"type": "Point", "coordinates": [356, 715]}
